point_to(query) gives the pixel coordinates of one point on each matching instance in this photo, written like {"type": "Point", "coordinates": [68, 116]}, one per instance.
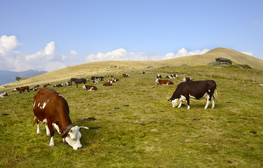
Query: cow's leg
{"type": "Point", "coordinates": [47, 129]}
{"type": "Point", "coordinates": [50, 127]}
{"type": "Point", "coordinates": [208, 99]}
{"type": "Point", "coordinates": [38, 129]}
{"type": "Point", "coordinates": [213, 102]}
{"type": "Point", "coordinates": [188, 102]}
{"type": "Point", "coordinates": [180, 103]}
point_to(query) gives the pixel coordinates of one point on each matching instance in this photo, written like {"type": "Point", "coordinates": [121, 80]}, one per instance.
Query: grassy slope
{"type": "Point", "coordinates": [94, 68]}
{"type": "Point", "coordinates": [148, 132]}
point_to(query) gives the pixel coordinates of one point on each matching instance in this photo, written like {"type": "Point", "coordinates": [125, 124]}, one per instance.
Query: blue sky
{"type": "Point", "coordinates": [49, 35]}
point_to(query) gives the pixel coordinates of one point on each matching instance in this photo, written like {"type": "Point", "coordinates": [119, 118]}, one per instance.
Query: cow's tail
{"type": "Point", "coordinates": [34, 121]}
{"type": "Point", "coordinates": [216, 96]}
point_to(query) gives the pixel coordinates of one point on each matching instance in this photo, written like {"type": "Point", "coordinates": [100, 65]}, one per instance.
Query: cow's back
{"type": "Point", "coordinates": [48, 104]}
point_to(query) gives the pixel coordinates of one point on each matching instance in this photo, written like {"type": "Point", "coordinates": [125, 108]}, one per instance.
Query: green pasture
{"type": "Point", "coordinates": [138, 126]}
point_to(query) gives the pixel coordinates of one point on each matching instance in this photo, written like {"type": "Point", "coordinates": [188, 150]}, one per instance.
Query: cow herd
{"type": "Point", "coordinates": [51, 108]}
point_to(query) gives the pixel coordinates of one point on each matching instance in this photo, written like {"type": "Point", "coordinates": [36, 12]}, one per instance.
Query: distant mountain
{"type": "Point", "coordinates": [10, 76]}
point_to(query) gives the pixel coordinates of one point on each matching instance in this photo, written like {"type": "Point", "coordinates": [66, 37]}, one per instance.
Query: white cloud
{"type": "Point", "coordinates": [248, 53]}
{"type": "Point", "coordinates": [73, 52]}
{"type": "Point", "coordinates": [43, 55]}
{"type": "Point", "coordinates": [121, 54]}
{"type": "Point", "coordinates": [46, 59]}
{"type": "Point", "coordinates": [7, 44]}
{"type": "Point", "coordinates": [183, 52]}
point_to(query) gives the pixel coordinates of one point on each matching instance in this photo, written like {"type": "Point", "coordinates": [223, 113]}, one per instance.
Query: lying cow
{"type": "Point", "coordinates": [58, 85]}
{"type": "Point", "coordinates": [159, 76]}
{"type": "Point", "coordinates": [3, 94]}
{"type": "Point", "coordinates": [194, 89]}
{"type": "Point", "coordinates": [46, 85]}
{"type": "Point", "coordinates": [68, 84]}
{"type": "Point", "coordinates": [163, 82]}
{"type": "Point", "coordinates": [51, 108]}
{"type": "Point", "coordinates": [171, 76]}
{"type": "Point", "coordinates": [108, 83]}
{"type": "Point", "coordinates": [22, 89]}
{"type": "Point", "coordinates": [125, 75]}
{"type": "Point", "coordinates": [89, 87]}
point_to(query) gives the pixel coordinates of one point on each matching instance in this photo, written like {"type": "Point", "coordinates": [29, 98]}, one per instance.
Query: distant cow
{"type": "Point", "coordinates": [171, 76]}
{"type": "Point", "coordinates": [159, 76]}
{"type": "Point", "coordinates": [108, 83]}
{"type": "Point", "coordinates": [89, 87]}
{"type": "Point", "coordinates": [163, 82]}
{"type": "Point", "coordinates": [78, 81]}
{"type": "Point", "coordinates": [187, 79]}
{"type": "Point", "coordinates": [68, 83]}
{"type": "Point", "coordinates": [194, 89]}
{"type": "Point", "coordinates": [125, 75]}
{"type": "Point", "coordinates": [58, 85]}
{"type": "Point", "coordinates": [3, 94]}
{"type": "Point", "coordinates": [22, 89]}
{"type": "Point", "coordinates": [46, 84]}
{"type": "Point", "coordinates": [95, 82]}
{"type": "Point", "coordinates": [51, 108]}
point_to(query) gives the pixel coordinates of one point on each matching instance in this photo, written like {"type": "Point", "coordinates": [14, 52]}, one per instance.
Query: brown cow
{"type": "Point", "coordinates": [58, 85]}
{"type": "Point", "coordinates": [52, 108]}
{"type": "Point", "coordinates": [163, 82]}
{"type": "Point", "coordinates": [22, 89]}
{"type": "Point", "coordinates": [89, 87]}
{"type": "Point", "coordinates": [108, 83]}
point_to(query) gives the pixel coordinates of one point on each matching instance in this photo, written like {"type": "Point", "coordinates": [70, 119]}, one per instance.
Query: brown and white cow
{"type": "Point", "coordinates": [46, 84]}
{"type": "Point", "coordinates": [108, 83]}
{"type": "Point", "coordinates": [22, 89]}
{"type": "Point", "coordinates": [58, 85]}
{"type": "Point", "coordinates": [125, 75]}
{"type": "Point", "coordinates": [51, 108]}
{"type": "Point", "coordinates": [163, 82]}
{"type": "Point", "coordinates": [89, 87]}
{"type": "Point", "coordinates": [159, 76]}
{"type": "Point", "coordinates": [3, 94]}
{"type": "Point", "coordinates": [194, 89]}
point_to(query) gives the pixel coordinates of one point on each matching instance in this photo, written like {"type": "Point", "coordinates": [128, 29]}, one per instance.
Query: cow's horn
{"type": "Point", "coordinates": [84, 127]}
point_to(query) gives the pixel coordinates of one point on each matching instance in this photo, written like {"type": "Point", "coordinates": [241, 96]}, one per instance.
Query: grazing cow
{"type": "Point", "coordinates": [194, 89]}
{"type": "Point", "coordinates": [159, 76]}
{"type": "Point", "coordinates": [3, 94]}
{"type": "Point", "coordinates": [125, 75]}
{"type": "Point", "coordinates": [51, 108]}
{"type": "Point", "coordinates": [163, 82]}
{"type": "Point", "coordinates": [58, 85]}
{"type": "Point", "coordinates": [37, 86]}
{"type": "Point", "coordinates": [78, 81]}
{"type": "Point", "coordinates": [108, 83]}
{"type": "Point", "coordinates": [68, 83]}
{"type": "Point", "coordinates": [22, 89]}
{"type": "Point", "coordinates": [89, 87]}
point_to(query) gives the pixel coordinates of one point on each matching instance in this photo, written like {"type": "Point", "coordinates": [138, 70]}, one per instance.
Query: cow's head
{"type": "Point", "coordinates": [174, 101]}
{"type": "Point", "coordinates": [73, 137]}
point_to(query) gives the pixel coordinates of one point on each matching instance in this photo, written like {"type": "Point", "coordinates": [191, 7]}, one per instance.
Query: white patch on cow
{"type": "Point", "coordinates": [51, 143]}
{"type": "Point", "coordinates": [174, 102]}
{"type": "Point", "coordinates": [56, 127]}
{"type": "Point", "coordinates": [34, 104]}
{"type": "Point", "coordinates": [91, 89]}
{"type": "Point", "coordinates": [43, 106]}
{"type": "Point", "coordinates": [73, 138]}
{"type": "Point", "coordinates": [83, 86]}
{"type": "Point", "coordinates": [47, 129]}
{"type": "Point", "coordinates": [38, 129]}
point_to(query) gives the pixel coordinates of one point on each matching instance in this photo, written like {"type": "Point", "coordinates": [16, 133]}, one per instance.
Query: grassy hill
{"type": "Point", "coordinates": [103, 67]}
{"type": "Point", "coordinates": [138, 126]}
